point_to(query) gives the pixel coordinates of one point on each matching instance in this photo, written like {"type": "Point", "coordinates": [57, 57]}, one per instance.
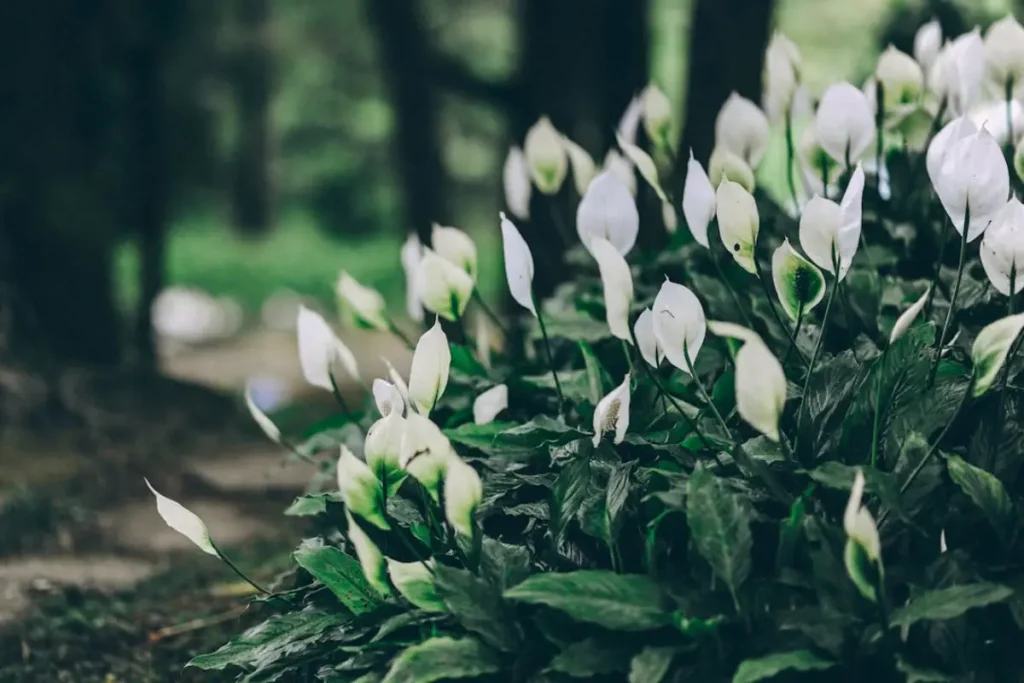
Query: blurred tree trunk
{"type": "Point", "coordinates": [251, 187]}
{"type": "Point", "coordinates": [408, 61]}
{"type": "Point", "coordinates": [582, 62]}
{"type": "Point", "coordinates": [727, 43]}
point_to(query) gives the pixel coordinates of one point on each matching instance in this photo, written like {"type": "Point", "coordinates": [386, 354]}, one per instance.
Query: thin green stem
{"type": "Point", "coordinates": [878, 409]}
{"type": "Point", "coordinates": [704, 394]}
{"type": "Point", "coordinates": [790, 158]}
{"type": "Point", "coordinates": [732, 291]}
{"type": "Point", "coordinates": [796, 333]}
{"type": "Point", "coordinates": [551, 357]}
{"type": "Point", "coordinates": [943, 241]}
{"type": "Point", "coordinates": [340, 400]}
{"type": "Point", "coordinates": [1009, 114]}
{"type": "Point", "coordinates": [489, 313]}
{"type": "Point", "coordinates": [814, 357]}
{"type": "Point", "coordinates": [1013, 288]}
{"type": "Point", "coordinates": [952, 300]}
{"type": "Point", "coordinates": [239, 572]}
{"type": "Point", "coordinates": [879, 135]}
{"type": "Point", "coordinates": [771, 303]}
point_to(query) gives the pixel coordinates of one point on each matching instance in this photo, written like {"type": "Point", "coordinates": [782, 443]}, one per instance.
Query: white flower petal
{"type": "Point", "coordinates": [463, 492]}
{"type": "Point", "coordinates": [431, 362]}
{"type": "Point", "coordinates": [518, 265]}
{"type": "Point", "coordinates": [908, 317]}
{"type": "Point", "coordinates": [618, 286]}
{"type": "Point", "coordinates": [973, 177]}
{"type": "Point", "coordinates": [456, 247]}
{"type": "Point", "coordinates": [516, 183]}
{"type": "Point", "coordinates": [844, 123]}
{"type": "Point", "coordinates": [1002, 248]}
{"type": "Point", "coordinates": [990, 349]}
{"type": "Point", "coordinates": [319, 348]}
{"type": "Point", "coordinates": [630, 120]}
{"type": "Point", "coordinates": [443, 287]}
{"type": "Point", "coordinates": [388, 398]}
{"type": "Point", "coordinates": [545, 156]}
{"type": "Point", "coordinates": [760, 388]}
{"type": "Point", "coordinates": [412, 252]}
{"type": "Point", "coordinates": [698, 201]}
{"type": "Point", "coordinates": [364, 306]}
{"type": "Point", "coordinates": [645, 339]}
{"type": "Point", "coordinates": [583, 167]}
{"type": "Point", "coordinates": [738, 223]}
{"type": "Point", "coordinates": [265, 423]}
{"type": "Point", "coordinates": [799, 284]}
{"type": "Point", "coordinates": [608, 210]}
{"type": "Point", "coordinates": [742, 128]}
{"type": "Point", "coordinates": [927, 43]}
{"type": "Point", "coordinates": [184, 521]}
{"type": "Point", "coordinates": [488, 404]}
{"type": "Point", "coordinates": [645, 165]}
{"type": "Point", "coordinates": [612, 413]}
{"type": "Point", "coordinates": [679, 324]}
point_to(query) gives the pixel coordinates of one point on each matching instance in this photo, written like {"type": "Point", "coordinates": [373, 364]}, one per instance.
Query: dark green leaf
{"type": "Point", "coordinates": [465, 362]}
{"type": "Point", "coordinates": [575, 326]}
{"type": "Point", "coordinates": [986, 491]}
{"type": "Point", "coordinates": [948, 603]}
{"type": "Point", "coordinates": [626, 602]}
{"type": "Point", "coordinates": [442, 659]}
{"type": "Point", "coordinates": [719, 521]}
{"type": "Point", "coordinates": [615, 500]}
{"type": "Point", "coordinates": [309, 505]}
{"type": "Point", "coordinates": [916, 674]}
{"type": "Point", "coordinates": [598, 381]}
{"type": "Point", "coordinates": [759, 669]}
{"type": "Point", "coordinates": [341, 574]}
{"type": "Point", "coordinates": [540, 431]}
{"type": "Point", "coordinates": [651, 664]}
{"type": "Point", "coordinates": [478, 606]}
{"type": "Point", "coordinates": [482, 437]}
{"type": "Point", "coordinates": [589, 658]}
{"type": "Point", "coordinates": [504, 564]}
{"type": "Point", "coordinates": [568, 494]}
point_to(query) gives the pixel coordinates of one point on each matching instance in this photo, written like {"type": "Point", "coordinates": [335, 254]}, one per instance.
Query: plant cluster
{"type": "Point", "coordinates": [787, 446]}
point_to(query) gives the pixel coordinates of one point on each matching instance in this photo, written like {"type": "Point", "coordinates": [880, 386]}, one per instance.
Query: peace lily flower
{"type": "Point", "coordinates": [968, 172]}
{"type": "Point", "coordinates": [679, 324]}
{"type": "Point", "coordinates": [361, 490]}
{"type": "Point", "coordinates": [742, 128]}
{"type": "Point", "coordinates": [908, 317]}
{"type": "Point", "coordinates": [462, 495]}
{"type": "Point", "coordinates": [901, 78]}
{"type": "Point", "coordinates": [698, 201]}
{"type": "Point", "coordinates": [260, 418]}
{"type": "Point", "coordinates": [516, 183]}
{"type": "Point", "coordinates": [760, 380]}
{"type": "Point", "coordinates": [643, 329]}
{"type": "Point", "coordinates": [993, 116]}
{"type": "Point", "coordinates": [397, 381]}
{"type": "Point", "coordinates": [862, 541]}
{"type": "Point", "coordinates": [362, 306]}
{"type": "Point", "coordinates": [990, 349]}
{"type": "Point", "coordinates": [184, 521]}
{"type": "Point", "coordinates": [443, 287]}
{"type": "Point", "coordinates": [617, 281]}
{"type": "Point", "coordinates": [844, 123]}
{"type": "Point", "coordinates": [415, 582]}
{"type": "Point", "coordinates": [723, 164]}
{"type": "Point", "coordinates": [657, 116]}
{"type": "Point", "coordinates": [816, 162]}
{"type": "Point", "coordinates": [583, 167]}
{"type": "Point", "coordinates": [738, 223]}
{"type": "Point", "coordinates": [1004, 53]}
{"type": "Point", "coordinates": [781, 76]}
{"type": "Point", "coordinates": [612, 413]}
{"type": "Point", "coordinates": [383, 447]}
{"type": "Point", "coordinates": [425, 453]}
{"type": "Point", "coordinates": [927, 43]}
{"type": "Point", "coordinates": [799, 284]}
{"type": "Point", "coordinates": [319, 348]}
{"type": "Point", "coordinates": [410, 255]}
{"type": "Point", "coordinates": [630, 120]}
{"type": "Point", "coordinates": [455, 246]}
{"type": "Point", "coordinates": [545, 156]}
{"type": "Point", "coordinates": [1002, 248]}
{"type": "Point", "coordinates": [431, 362]}
{"type": "Point", "coordinates": [645, 164]}
{"type": "Point", "coordinates": [608, 210]}
{"type": "Point", "coordinates": [371, 559]}
{"type": "Point", "coordinates": [957, 72]}
{"type": "Point", "coordinates": [621, 167]}
{"type": "Point", "coordinates": [488, 404]}
{"type": "Point", "coordinates": [518, 265]}
{"type": "Point", "coordinates": [830, 232]}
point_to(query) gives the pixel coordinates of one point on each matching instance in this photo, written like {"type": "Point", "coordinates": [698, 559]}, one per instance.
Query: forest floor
{"type": "Point", "coordinates": [94, 587]}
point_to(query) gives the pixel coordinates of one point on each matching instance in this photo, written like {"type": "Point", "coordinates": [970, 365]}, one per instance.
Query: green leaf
{"type": "Point", "coordinates": [719, 521]}
{"type": "Point", "coordinates": [569, 493]}
{"type": "Point", "coordinates": [575, 384]}
{"type": "Point", "coordinates": [615, 499]}
{"type": "Point", "coordinates": [573, 325]}
{"type": "Point", "coordinates": [598, 381]}
{"type": "Point", "coordinates": [442, 659]}
{"type": "Point", "coordinates": [309, 505]}
{"type": "Point", "coordinates": [986, 491]}
{"type": "Point", "coordinates": [761, 668]}
{"type": "Point", "coordinates": [540, 431]}
{"type": "Point", "coordinates": [626, 602]}
{"type": "Point", "coordinates": [916, 674]}
{"type": "Point", "coordinates": [503, 563]}
{"type": "Point", "coordinates": [279, 636]}
{"type": "Point", "coordinates": [484, 438]}
{"type": "Point", "coordinates": [329, 435]}
{"type": "Point", "coordinates": [465, 362]}
{"type": "Point", "coordinates": [589, 658]}
{"type": "Point", "coordinates": [651, 664]}
{"type": "Point", "coordinates": [949, 603]}
{"type": "Point", "coordinates": [478, 606]}
{"type": "Point", "coordinates": [341, 574]}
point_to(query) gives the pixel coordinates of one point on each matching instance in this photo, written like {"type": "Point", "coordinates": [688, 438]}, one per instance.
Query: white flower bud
{"type": "Point", "coordinates": [612, 413]}
{"type": "Point", "coordinates": [646, 340]}
{"type": "Point", "coordinates": [360, 489]}
{"type": "Point", "coordinates": [362, 306]}
{"type": "Point", "coordinates": [516, 183]}
{"type": "Point", "coordinates": [319, 348]}
{"type": "Point", "coordinates": [698, 201]}
{"type": "Point", "coordinates": [738, 223]}
{"type": "Point", "coordinates": [383, 448]}
{"type": "Point", "coordinates": [724, 165]}
{"type": "Point", "coordinates": [844, 123]}
{"type": "Point", "coordinates": [799, 284]}
{"type": "Point", "coordinates": [463, 492]}
{"type": "Point", "coordinates": [388, 398]}
{"type": "Point", "coordinates": [431, 362]}
{"type": "Point", "coordinates": [545, 156]}
{"type": "Point", "coordinates": [990, 349]}
{"type": "Point", "coordinates": [488, 404]}
{"type": "Point", "coordinates": [425, 453]}
{"type": "Point", "coordinates": [621, 167]}
{"type": "Point", "coordinates": [657, 116]}
{"type": "Point", "coordinates": [781, 76]}
{"type": "Point", "coordinates": [901, 78]}
{"type": "Point", "coordinates": [608, 210]}
{"type": "Point", "coordinates": [760, 380]}
{"type": "Point", "coordinates": [518, 265]}
{"type": "Point", "coordinates": [443, 287]}
{"type": "Point", "coordinates": [862, 534]}
{"type": "Point", "coordinates": [455, 246]}
{"type": "Point", "coordinates": [184, 521]}
{"type": "Point", "coordinates": [1002, 248]}
{"type": "Point", "coordinates": [830, 232]}
{"type": "Point", "coordinates": [958, 72]}
{"type": "Point", "coordinates": [927, 43]}
{"type": "Point", "coordinates": [371, 559]}
{"type": "Point", "coordinates": [410, 255]}
{"type": "Point", "coordinates": [617, 281]}
{"type": "Point", "coordinates": [679, 324]}
{"type": "Point", "coordinates": [908, 317]}
{"type": "Point", "coordinates": [742, 128]}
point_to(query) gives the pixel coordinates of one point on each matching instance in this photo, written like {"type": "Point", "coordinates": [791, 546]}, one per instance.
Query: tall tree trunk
{"type": "Point", "coordinates": [408, 61]}
{"type": "Point", "coordinates": [727, 43]}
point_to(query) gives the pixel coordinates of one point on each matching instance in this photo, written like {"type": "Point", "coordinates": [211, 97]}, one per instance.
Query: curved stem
{"type": "Point", "coordinates": [796, 333]}
{"type": "Point", "coordinates": [704, 394]}
{"type": "Point", "coordinates": [1009, 114]}
{"type": "Point", "coordinates": [551, 357]}
{"type": "Point", "coordinates": [814, 357]}
{"type": "Point", "coordinates": [239, 572]}
{"type": "Point", "coordinates": [790, 158]}
{"type": "Point", "coordinates": [879, 131]}
{"type": "Point", "coordinates": [775, 311]}
{"type": "Point", "coordinates": [952, 299]}
{"type": "Point", "coordinates": [938, 268]}
{"type": "Point", "coordinates": [732, 291]}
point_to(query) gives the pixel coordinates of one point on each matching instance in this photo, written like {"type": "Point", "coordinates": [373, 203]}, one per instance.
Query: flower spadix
{"type": "Point", "coordinates": [515, 180]}
{"type": "Point", "coordinates": [1002, 248]}
{"type": "Point", "coordinates": [431, 362]}
{"type": "Point", "coordinates": [863, 556]}
{"type": "Point", "coordinates": [184, 521]}
{"type": "Point", "coordinates": [545, 156]}
{"type": "Point", "coordinates": [462, 494]}
{"type": "Point", "coordinates": [443, 287]}
{"type": "Point", "coordinates": [612, 413]}
{"type": "Point", "coordinates": [608, 210]}
{"type": "Point", "coordinates": [698, 201]}
{"type": "Point", "coordinates": [361, 306]}
{"type": "Point", "coordinates": [969, 174]}
{"type": "Point", "coordinates": [320, 350]}
{"type": "Point", "coordinates": [360, 489]}
{"type": "Point", "coordinates": [455, 246]}
{"type": "Point", "coordinates": [487, 405]}
{"type": "Point", "coordinates": [648, 344]}
{"type": "Point", "coordinates": [742, 128]}
{"type": "Point", "coordinates": [657, 116]}
{"type": "Point", "coordinates": [679, 324]}
{"type": "Point", "coordinates": [518, 264]}
{"type": "Point", "coordinates": [618, 286]}
{"type": "Point", "coordinates": [410, 255]}
{"type": "Point", "coordinates": [908, 317]}
{"type": "Point", "coordinates": [760, 380]}
{"type": "Point", "coordinates": [927, 43]}
{"type": "Point", "coordinates": [990, 349]}
{"type": "Point", "coordinates": [798, 282]}
{"type": "Point", "coordinates": [738, 223]}
{"type": "Point", "coordinates": [830, 232]}
{"type": "Point", "coordinates": [844, 123]}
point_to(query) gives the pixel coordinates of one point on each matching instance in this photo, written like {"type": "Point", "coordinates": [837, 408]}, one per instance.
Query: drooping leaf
{"type": "Point", "coordinates": [762, 668]}
{"type": "Point", "coordinates": [987, 492]}
{"type": "Point", "coordinates": [651, 664]}
{"type": "Point", "coordinates": [478, 606]}
{"type": "Point", "coordinates": [948, 603]}
{"type": "Point", "coordinates": [719, 521]}
{"type": "Point", "coordinates": [591, 657]}
{"type": "Point", "coordinates": [443, 658]}
{"type": "Point", "coordinates": [341, 574]}
{"type": "Point", "coordinates": [626, 602]}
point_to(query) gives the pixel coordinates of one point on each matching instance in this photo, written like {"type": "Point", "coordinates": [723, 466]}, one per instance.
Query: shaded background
{"type": "Point", "coordinates": [224, 160]}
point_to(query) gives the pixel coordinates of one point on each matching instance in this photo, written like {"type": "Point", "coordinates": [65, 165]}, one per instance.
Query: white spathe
{"type": "Point", "coordinates": [738, 223]}
{"type": "Point", "coordinates": [260, 418]}
{"type": "Point", "coordinates": [830, 232]}
{"type": "Point", "coordinates": [545, 156]}
{"type": "Point", "coordinates": [781, 76]}
{"type": "Point", "coordinates": [908, 317]}
{"type": "Point", "coordinates": [990, 349]}
{"type": "Point", "coordinates": [858, 522]}
{"type": "Point", "coordinates": [617, 281]}
{"type": "Point", "coordinates": [319, 348]}
{"type": "Point", "coordinates": [844, 123]}
{"type": "Point", "coordinates": [644, 164]}
{"type": "Point", "coordinates": [679, 324]}
{"type": "Point", "coordinates": [184, 521]}
{"type": "Point", "coordinates": [489, 404]}
{"type": "Point", "coordinates": [742, 128]}
{"type": "Point", "coordinates": [463, 492]}
{"type": "Point", "coordinates": [388, 398]}
{"type": "Point", "coordinates": [698, 201]}
{"type": "Point", "coordinates": [1004, 54]}
{"type": "Point", "coordinates": [657, 116]}
{"type": "Point", "coordinates": [360, 489]}
{"type": "Point", "coordinates": [455, 246]}
{"type": "Point", "coordinates": [608, 210]}
{"type": "Point", "coordinates": [431, 362]}
{"type": "Point", "coordinates": [958, 72]}
{"type": "Point", "coordinates": [410, 255]}
{"type": "Point", "coordinates": [1002, 248]}
{"type": "Point", "coordinates": [617, 163]}
{"type": "Point", "coordinates": [630, 119]}
{"type": "Point", "coordinates": [927, 43]}
{"type": "Point", "coordinates": [901, 77]}
{"type": "Point", "coordinates": [515, 178]}
{"type": "Point", "coordinates": [583, 167]}
{"type": "Point", "coordinates": [647, 342]}
{"type": "Point", "coordinates": [383, 448]}
{"type": "Point", "coordinates": [365, 306]}
{"type": "Point", "coordinates": [443, 287]}
{"type": "Point", "coordinates": [371, 559]}
{"type": "Point", "coordinates": [425, 452]}
{"type": "Point", "coordinates": [518, 264]}
{"type": "Point", "coordinates": [760, 388]}
{"type": "Point", "coordinates": [612, 413]}
{"type": "Point", "coordinates": [723, 164]}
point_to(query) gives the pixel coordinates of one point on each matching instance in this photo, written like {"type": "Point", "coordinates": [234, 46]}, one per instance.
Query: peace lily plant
{"type": "Point", "coordinates": [785, 445]}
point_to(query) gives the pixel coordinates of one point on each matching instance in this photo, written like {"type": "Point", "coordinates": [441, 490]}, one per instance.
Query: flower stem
{"type": "Point", "coordinates": [879, 137]}
{"type": "Point", "coordinates": [814, 357]}
{"type": "Point", "coordinates": [878, 409]}
{"type": "Point", "coordinates": [704, 394]}
{"type": "Point", "coordinates": [1013, 287]}
{"type": "Point", "coordinates": [790, 158]}
{"type": "Point", "coordinates": [1009, 115]}
{"type": "Point", "coordinates": [239, 572]}
{"type": "Point", "coordinates": [944, 240]}
{"type": "Point", "coordinates": [551, 357]}
{"type": "Point", "coordinates": [771, 304]}
{"type": "Point", "coordinates": [732, 291]}
{"type": "Point", "coordinates": [952, 299]}
{"type": "Point", "coordinates": [796, 333]}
